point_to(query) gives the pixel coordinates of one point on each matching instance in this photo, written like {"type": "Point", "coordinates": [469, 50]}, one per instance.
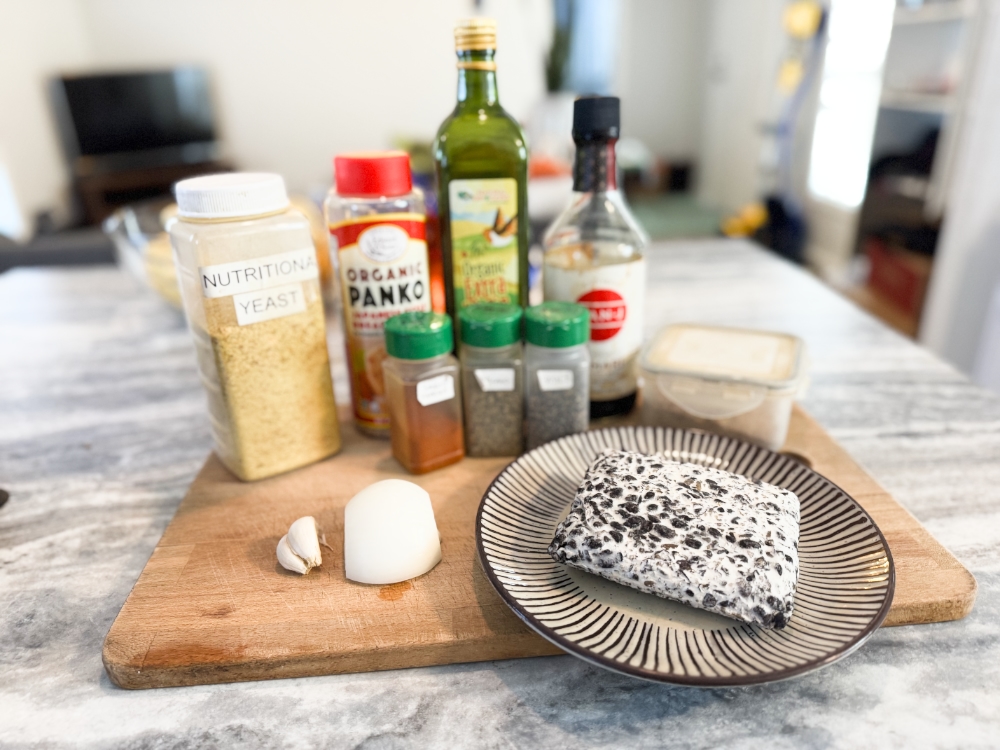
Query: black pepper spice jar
{"type": "Point", "coordinates": [557, 371]}
{"type": "Point", "coordinates": [492, 358]}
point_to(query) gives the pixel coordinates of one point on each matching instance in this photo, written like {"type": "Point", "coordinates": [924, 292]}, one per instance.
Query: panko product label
{"type": "Point", "coordinates": [484, 250]}
{"type": "Point", "coordinates": [382, 264]}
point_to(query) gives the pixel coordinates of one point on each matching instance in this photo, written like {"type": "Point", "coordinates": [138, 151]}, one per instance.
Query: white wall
{"type": "Point", "coordinates": [662, 73]}
{"type": "Point", "coordinates": [300, 80]}
{"type": "Point", "coordinates": [967, 262]}
{"type": "Point", "coordinates": [37, 39]}
{"type": "Point", "coordinates": [745, 42]}
{"type": "Point", "coordinates": [295, 81]}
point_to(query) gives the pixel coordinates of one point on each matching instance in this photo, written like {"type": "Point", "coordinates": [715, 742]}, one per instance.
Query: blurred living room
{"type": "Point", "coordinates": [851, 137]}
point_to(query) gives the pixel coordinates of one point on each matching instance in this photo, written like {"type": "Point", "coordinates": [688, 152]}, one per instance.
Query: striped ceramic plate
{"type": "Point", "coordinates": [844, 590]}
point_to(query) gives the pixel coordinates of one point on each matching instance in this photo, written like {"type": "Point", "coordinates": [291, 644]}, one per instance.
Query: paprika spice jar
{"type": "Point", "coordinates": [421, 387]}
{"type": "Point", "coordinates": [249, 279]}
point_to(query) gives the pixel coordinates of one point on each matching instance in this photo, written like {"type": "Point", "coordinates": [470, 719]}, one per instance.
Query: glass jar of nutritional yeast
{"type": "Point", "coordinates": [250, 282]}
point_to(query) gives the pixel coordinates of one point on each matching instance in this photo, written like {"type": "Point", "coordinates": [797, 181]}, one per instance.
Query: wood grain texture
{"type": "Point", "coordinates": [212, 604]}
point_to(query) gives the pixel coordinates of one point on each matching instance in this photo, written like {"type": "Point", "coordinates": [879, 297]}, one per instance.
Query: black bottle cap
{"type": "Point", "coordinates": [596, 117]}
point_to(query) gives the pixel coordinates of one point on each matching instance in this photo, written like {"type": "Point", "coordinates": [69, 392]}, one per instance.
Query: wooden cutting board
{"type": "Point", "coordinates": [212, 604]}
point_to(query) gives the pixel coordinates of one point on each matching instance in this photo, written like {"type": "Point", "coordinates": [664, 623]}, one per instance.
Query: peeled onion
{"type": "Point", "coordinates": [389, 533]}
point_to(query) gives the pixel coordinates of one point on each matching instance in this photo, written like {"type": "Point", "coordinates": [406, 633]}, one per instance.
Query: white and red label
{"type": "Point", "coordinates": [615, 296]}
{"type": "Point", "coordinates": [608, 312]}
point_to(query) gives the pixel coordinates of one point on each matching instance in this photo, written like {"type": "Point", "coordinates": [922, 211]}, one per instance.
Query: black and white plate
{"type": "Point", "coordinates": [845, 585]}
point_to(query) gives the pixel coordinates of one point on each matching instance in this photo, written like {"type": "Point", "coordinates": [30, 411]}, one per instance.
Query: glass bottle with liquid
{"type": "Point", "coordinates": [481, 160]}
{"type": "Point", "coordinates": [594, 256]}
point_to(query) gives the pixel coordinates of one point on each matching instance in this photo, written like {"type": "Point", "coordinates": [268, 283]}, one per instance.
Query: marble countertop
{"type": "Point", "coordinates": [103, 426]}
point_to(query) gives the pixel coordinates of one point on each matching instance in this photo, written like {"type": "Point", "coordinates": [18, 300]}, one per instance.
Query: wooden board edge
{"type": "Point", "coordinates": [927, 613]}
{"type": "Point", "coordinates": [130, 677]}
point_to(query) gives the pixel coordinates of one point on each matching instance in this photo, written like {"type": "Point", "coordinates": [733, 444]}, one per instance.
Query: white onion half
{"type": "Point", "coordinates": [389, 533]}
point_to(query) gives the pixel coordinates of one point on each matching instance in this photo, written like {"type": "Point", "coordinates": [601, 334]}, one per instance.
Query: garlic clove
{"type": "Point", "coordinates": [303, 539]}
{"type": "Point", "coordinates": [288, 559]}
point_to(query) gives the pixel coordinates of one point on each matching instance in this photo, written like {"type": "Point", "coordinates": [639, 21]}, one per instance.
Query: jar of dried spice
{"type": "Point", "coordinates": [557, 371]}
{"type": "Point", "coordinates": [249, 279]}
{"type": "Point", "coordinates": [492, 383]}
{"type": "Point", "coordinates": [421, 388]}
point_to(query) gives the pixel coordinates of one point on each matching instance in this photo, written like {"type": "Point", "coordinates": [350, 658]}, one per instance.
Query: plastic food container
{"type": "Point", "coordinates": [733, 381]}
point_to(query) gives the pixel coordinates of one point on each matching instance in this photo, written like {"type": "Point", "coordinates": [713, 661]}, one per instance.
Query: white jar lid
{"type": "Point", "coordinates": [230, 195]}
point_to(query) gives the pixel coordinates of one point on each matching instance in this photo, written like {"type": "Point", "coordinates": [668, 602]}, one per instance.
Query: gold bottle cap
{"type": "Point", "coordinates": [475, 34]}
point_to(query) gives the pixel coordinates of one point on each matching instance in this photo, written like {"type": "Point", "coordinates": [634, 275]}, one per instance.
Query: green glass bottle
{"type": "Point", "coordinates": [482, 170]}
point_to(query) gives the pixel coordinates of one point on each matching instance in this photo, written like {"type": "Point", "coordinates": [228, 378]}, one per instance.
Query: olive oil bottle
{"type": "Point", "coordinates": [482, 170]}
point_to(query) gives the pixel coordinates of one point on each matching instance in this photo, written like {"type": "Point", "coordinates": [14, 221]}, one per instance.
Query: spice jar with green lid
{"type": "Point", "coordinates": [421, 388]}
{"type": "Point", "coordinates": [249, 277]}
{"type": "Point", "coordinates": [492, 358]}
{"type": "Point", "coordinates": [557, 371]}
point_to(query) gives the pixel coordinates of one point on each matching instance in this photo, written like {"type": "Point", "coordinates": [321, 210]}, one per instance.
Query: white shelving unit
{"type": "Point", "coordinates": [930, 54]}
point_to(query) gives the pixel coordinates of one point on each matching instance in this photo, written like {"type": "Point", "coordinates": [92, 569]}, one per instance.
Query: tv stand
{"type": "Point", "coordinates": [101, 193]}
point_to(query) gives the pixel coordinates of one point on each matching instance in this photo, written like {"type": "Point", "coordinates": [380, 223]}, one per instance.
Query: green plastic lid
{"type": "Point", "coordinates": [418, 335]}
{"type": "Point", "coordinates": [557, 324]}
{"type": "Point", "coordinates": [490, 324]}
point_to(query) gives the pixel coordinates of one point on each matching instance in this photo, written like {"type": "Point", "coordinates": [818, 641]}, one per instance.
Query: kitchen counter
{"type": "Point", "coordinates": [103, 426]}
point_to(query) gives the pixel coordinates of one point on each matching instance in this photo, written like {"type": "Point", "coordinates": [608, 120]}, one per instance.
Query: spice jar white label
{"type": "Point", "coordinates": [435, 390]}
{"type": "Point", "coordinates": [256, 274]}
{"type": "Point", "coordinates": [495, 378]}
{"type": "Point", "coordinates": [276, 302]}
{"type": "Point", "coordinates": [555, 380]}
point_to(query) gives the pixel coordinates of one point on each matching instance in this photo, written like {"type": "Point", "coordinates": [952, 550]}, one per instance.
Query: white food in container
{"type": "Point", "coordinates": [734, 381]}
{"type": "Point", "coordinates": [389, 533]}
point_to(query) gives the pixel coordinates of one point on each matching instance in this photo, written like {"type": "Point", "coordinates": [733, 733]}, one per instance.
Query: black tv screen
{"type": "Point", "coordinates": [138, 111]}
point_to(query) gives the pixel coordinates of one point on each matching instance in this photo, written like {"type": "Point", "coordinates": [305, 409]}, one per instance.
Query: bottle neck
{"type": "Point", "coordinates": [477, 79]}
{"type": "Point", "coordinates": [594, 170]}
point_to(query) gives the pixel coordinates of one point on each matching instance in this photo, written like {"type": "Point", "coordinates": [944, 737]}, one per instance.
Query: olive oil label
{"type": "Point", "coordinates": [382, 263]}
{"type": "Point", "coordinates": [483, 215]}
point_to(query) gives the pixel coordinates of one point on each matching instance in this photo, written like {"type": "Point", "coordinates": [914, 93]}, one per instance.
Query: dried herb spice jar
{"type": "Point", "coordinates": [249, 278]}
{"type": "Point", "coordinates": [557, 371]}
{"type": "Point", "coordinates": [492, 358]}
{"type": "Point", "coordinates": [421, 388]}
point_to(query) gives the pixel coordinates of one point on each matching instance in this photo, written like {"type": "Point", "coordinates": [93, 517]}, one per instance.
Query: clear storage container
{"type": "Point", "coordinates": [556, 370]}
{"type": "Point", "coordinates": [733, 381]}
{"type": "Point", "coordinates": [249, 278]}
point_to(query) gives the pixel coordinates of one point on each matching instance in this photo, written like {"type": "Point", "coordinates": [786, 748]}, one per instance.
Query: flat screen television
{"type": "Point", "coordinates": [118, 114]}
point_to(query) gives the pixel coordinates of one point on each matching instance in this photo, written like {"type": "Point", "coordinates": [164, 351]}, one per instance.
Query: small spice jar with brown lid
{"type": "Point", "coordinates": [422, 390]}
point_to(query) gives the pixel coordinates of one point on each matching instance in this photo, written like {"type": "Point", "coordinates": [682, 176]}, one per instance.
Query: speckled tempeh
{"type": "Point", "coordinates": [705, 537]}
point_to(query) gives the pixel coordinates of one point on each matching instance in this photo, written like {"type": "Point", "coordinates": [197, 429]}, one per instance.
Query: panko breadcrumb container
{"type": "Point", "coordinates": [733, 381]}
{"type": "Point", "coordinates": [249, 279]}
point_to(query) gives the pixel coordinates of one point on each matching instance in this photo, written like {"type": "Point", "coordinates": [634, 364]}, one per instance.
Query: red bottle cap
{"type": "Point", "coordinates": [373, 173]}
